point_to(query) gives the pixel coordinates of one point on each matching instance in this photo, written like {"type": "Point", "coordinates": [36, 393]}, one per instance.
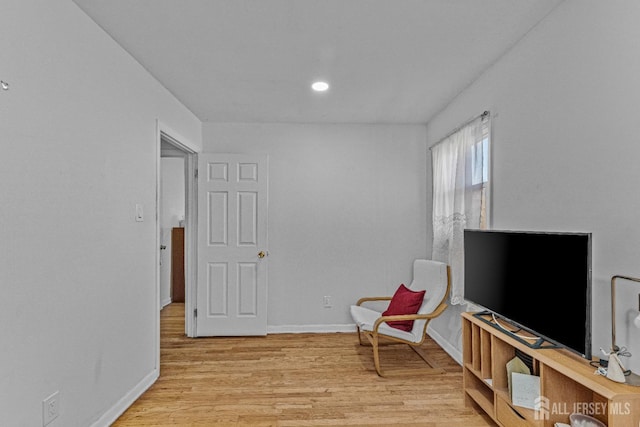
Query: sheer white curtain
{"type": "Point", "coordinates": [459, 184]}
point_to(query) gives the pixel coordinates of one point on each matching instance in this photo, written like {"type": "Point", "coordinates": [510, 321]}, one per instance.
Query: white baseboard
{"type": "Point", "coordinates": [316, 329]}
{"type": "Point", "coordinates": [127, 400]}
{"type": "Point", "coordinates": [165, 302]}
{"type": "Point", "coordinates": [446, 345]}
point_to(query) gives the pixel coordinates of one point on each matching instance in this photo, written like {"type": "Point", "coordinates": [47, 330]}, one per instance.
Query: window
{"type": "Point", "coordinates": [480, 166]}
{"type": "Point", "coordinates": [480, 171]}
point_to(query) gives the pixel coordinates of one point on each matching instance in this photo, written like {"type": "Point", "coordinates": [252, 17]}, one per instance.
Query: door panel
{"type": "Point", "coordinates": [217, 215]}
{"type": "Point", "coordinates": [232, 216]}
{"type": "Point", "coordinates": [247, 219]}
{"type": "Point", "coordinates": [217, 288]}
{"type": "Point", "coordinates": [247, 289]}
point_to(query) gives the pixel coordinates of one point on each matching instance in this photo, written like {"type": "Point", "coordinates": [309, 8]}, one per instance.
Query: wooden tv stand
{"type": "Point", "coordinates": [566, 380]}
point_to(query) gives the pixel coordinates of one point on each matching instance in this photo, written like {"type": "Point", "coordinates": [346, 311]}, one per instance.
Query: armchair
{"type": "Point", "coordinates": [432, 276]}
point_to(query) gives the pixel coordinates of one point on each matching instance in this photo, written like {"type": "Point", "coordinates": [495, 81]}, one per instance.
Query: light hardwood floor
{"type": "Point", "coordinates": [295, 380]}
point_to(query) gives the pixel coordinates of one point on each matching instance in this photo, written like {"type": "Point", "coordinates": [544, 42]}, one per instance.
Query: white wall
{"type": "Point", "coordinates": [565, 144]}
{"type": "Point", "coordinates": [171, 212]}
{"type": "Point", "coordinates": [78, 136]}
{"type": "Point", "coordinates": [347, 209]}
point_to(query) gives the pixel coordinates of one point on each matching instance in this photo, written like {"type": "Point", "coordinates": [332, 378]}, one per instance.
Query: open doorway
{"type": "Point", "coordinates": [172, 222]}
{"type": "Point", "coordinates": [176, 224]}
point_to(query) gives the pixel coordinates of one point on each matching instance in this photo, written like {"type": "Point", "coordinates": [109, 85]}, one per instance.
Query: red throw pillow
{"type": "Point", "coordinates": [404, 301]}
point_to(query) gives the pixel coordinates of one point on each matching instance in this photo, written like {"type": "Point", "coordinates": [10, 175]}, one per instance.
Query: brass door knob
{"type": "Point", "coordinates": [261, 254]}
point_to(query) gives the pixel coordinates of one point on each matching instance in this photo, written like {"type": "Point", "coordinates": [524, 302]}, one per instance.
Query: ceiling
{"type": "Point", "coordinates": [387, 61]}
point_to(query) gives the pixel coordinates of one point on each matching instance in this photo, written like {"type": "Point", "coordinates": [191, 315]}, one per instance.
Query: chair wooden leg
{"type": "Point", "coordinates": [374, 341]}
{"type": "Point", "coordinates": [359, 337]}
{"type": "Point", "coordinates": [376, 355]}
{"type": "Point", "coordinates": [435, 369]}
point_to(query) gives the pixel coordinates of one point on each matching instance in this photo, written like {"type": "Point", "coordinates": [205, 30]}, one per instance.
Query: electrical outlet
{"type": "Point", "coordinates": [50, 408]}
{"type": "Point", "coordinates": [326, 301]}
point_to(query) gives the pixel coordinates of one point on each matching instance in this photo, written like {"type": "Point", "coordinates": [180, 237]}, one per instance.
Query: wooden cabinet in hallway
{"type": "Point", "coordinates": [177, 264]}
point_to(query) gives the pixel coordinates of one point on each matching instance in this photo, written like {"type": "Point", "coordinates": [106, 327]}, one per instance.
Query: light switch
{"type": "Point", "coordinates": [139, 213]}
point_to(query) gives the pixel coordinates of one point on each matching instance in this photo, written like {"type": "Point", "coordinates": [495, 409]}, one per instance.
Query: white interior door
{"type": "Point", "coordinates": [232, 245]}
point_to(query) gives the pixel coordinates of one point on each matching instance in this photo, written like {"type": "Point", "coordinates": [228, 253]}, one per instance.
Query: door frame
{"type": "Point", "coordinates": [191, 225]}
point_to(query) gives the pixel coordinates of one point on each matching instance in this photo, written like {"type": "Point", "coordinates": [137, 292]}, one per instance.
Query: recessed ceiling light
{"type": "Point", "coordinates": [320, 86]}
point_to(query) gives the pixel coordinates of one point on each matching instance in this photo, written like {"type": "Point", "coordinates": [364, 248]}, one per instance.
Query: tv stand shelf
{"type": "Point", "coordinates": [567, 381]}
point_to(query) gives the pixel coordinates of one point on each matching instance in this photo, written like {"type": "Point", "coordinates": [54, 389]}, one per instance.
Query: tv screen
{"type": "Point", "coordinates": [539, 281]}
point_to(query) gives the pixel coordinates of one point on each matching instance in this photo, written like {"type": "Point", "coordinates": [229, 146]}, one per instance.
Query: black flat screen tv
{"type": "Point", "coordinates": [538, 281]}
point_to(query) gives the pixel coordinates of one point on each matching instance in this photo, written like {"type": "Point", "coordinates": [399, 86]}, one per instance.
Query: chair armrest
{"type": "Point", "coordinates": [427, 316]}
{"type": "Point", "coordinates": [365, 299]}
{"type": "Point", "coordinates": [397, 317]}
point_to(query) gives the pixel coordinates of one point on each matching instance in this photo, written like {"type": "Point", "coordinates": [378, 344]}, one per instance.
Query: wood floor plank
{"type": "Point", "coordinates": [296, 380]}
